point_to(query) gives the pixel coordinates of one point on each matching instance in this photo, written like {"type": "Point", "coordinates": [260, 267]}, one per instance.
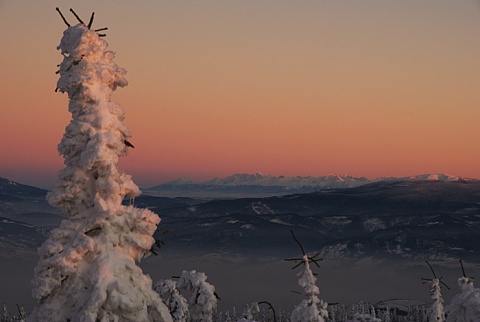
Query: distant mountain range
{"type": "Point", "coordinates": [258, 185]}
{"type": "Point", "coordinates": [422, 217]}
{"type": "Point", "coordinates": [394, 218]}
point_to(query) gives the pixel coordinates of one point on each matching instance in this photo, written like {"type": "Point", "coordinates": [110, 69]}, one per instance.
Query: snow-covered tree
{"type": "Point", "coordinates": [465, 306]}
{"type": "Point", "coordinates": [438, 313]}
{"type": "Point", "coordinates": [311, 308]}
{"type": "Point", "coordinates": [87, 269]}
{"type": "Point", "coordinates": [176, 303]}
{"type": "Point", "coordinates": [203, 300]}
{"type": "Point", "coordinates": [249, 312]}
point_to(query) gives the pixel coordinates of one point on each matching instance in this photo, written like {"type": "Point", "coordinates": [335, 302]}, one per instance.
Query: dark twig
{"type": "Point", "coordinates": [431, 268]}
{"type": "Point", "coordinates": [128, 144]}
{"type": "Point", "coordinates": [76, 16]}
{"type": "Point", "coordinates": [157, 243]}
{"type": "Point", "coordinates": [166, 231]}
{"type": "Point", "coordinates": [463, 269]}
{"type": "Point", "coordinates": [440, 279]}
{"type": "Point", "coordinates": [101, 29]}
{"type": "Point", "coordinates": [302, 262]}
{"type": "Point", "coordinates": [91, 21]}
{"type": "Point", "coordinates": [296, 240]}
{"type": "Point", "coordinates": [63, 18]}
{"type": "Point", "coordinates": [435, 277]}
{"type": "Point", "coordinates": [20, 311]}
{"type": "Point", "coordinates": [271, 308]}
{"type": "Point", "coordinates": [310, 259]}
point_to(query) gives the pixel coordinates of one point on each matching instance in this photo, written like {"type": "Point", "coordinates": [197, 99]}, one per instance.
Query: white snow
{"type": "Point", "coordinates": [373, 224]}
{"type": "Point", "coordinates": [260, 208]}
{"type": "Point", "coordinates": [279, 221]}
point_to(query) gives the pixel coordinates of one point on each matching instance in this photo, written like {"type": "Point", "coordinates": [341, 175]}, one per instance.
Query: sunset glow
{"type": "Point", "coordinates": [364, 88]}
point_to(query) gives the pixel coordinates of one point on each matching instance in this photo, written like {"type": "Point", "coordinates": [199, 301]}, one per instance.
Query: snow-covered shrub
{"type": "Point", "coordinates": [311, 308]}
{"type": "Point", "coordinates": [249, 312]}
{"type": "Point", "coordinates": [203, 301]}
{"type": "Point", "coordinates": [87, 269]}
{"type": "Point", "coordinates": [364, 317]}
{"type": "Point", "coordinates": [175, 302]}
{"type": "Point", "coordinates": [465, 306]}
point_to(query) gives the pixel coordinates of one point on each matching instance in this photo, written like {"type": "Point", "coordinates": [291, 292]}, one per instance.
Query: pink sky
{"type": "Point", "coordinates": [365, 88]}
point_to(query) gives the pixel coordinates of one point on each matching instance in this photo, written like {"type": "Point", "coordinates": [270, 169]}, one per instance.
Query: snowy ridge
{"type": "Point", "coordinates": [289, 183]}
{"type": "Point", "coordinates": [441, 177]}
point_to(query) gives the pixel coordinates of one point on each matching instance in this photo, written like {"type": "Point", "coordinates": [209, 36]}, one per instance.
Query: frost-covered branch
{"type": "Point", "coordinates": [203, 300]}
{"type": "Point", "coordinates": [175, 302]}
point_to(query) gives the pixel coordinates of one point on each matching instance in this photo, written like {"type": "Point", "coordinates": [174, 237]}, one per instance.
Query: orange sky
{"type": "Point", "coordinates": [366, 88]}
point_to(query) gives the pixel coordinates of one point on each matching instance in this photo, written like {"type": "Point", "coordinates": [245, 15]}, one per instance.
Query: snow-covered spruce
{"type": "Point", "coordinates": [87, 269]}
{"type": "Point", "coordinates": [465, 306]}
{"type": "Point", "coordinates": [203, 300]}
{"type": "Point", "coordinates": [175, 302]}
{"type": "Point", "coordinates": [311, 309]}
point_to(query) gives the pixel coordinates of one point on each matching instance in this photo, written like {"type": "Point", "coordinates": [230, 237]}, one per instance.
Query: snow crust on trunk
{"type": "Point", "coordinates": [87, 269]}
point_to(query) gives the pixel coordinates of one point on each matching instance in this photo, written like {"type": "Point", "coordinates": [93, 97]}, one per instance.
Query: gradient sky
{"type": "Point", "coordinates": [360, 87]}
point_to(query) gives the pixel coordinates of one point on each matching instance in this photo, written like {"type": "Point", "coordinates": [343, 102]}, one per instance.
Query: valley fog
{"type": "Point", "coordinates": [241, 280]}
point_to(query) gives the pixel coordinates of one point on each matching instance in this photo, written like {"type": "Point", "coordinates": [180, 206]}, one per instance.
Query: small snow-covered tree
{"type": "Point", "coordinates": [203, 300]}
{"type": "Point", "coordinates": [465, 306]}
{"type": "Point", "coordinates": [312, 308]}
{"type": "Point", "coordinates": [249, 312]}
{"type": "Point", "coordinates": [87, 269]}
{"type": "Point", "coordinates": [437, 312]}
